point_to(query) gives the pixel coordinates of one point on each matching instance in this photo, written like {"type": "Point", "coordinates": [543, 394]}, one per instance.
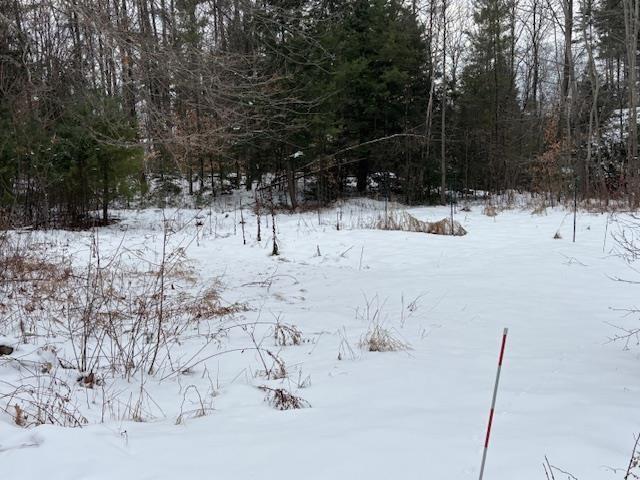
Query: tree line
{"type": "Point", "coordinates": [103, 101]}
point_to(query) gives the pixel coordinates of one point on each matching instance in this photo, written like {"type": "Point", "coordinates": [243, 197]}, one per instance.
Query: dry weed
{"type": "Point", "coordinates": [380, 339]}
{"type": "Point", "coordinates": [400, 221]}
{"type": "Point", "coordinates": [201, 407]}
{"type": "Point", "coordinates": [405, 222]}
{"type": "Point", "coordinates": [285, 335]}
{"type": "Point", "coordinates": [446, 227]}
{"type": "Point", "coordinates": [539, 210]}
{"type": "Point", "coordinates": [115, 315]}
{"type": "Point", "coordinates": [490, 211]}
{"type": "Point", "coordinates": [39, 400]}
{"type": "Point", "coordinates": [281, 399]}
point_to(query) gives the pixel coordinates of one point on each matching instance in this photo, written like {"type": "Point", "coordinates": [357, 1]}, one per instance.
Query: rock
{"type": "Point", "coordinates": [5, 350]}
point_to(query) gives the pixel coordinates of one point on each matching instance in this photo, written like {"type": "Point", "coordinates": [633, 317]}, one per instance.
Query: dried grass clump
{"type": "Point", "coordinates": [405, 222]}
{"type": "Point", "coordinates": [19, 416]}
{"type": "Point", "coordinates": [400, 221]}
{"type": "Point", "coordinates": [285, 335]}
{"type": "Point", "coordinates": [48, 402]}
{"type": "Point", "coordinates": [446, 227]}
{"type": "Point", "coordinates": [182, 271]}
{"type": "Point", "coordinates": [281, 399]}
{"type": "Point", "coordinates": [28, 266]}
{"type": "Point", "coordinates": [539, 210]}
{"type": "Point", "coordinates": [490, 211]}
{"type": "Point", "coordinates": [277, 370]}
{"type": "Point", "coordinates": [208, 304]}
{"type": "Point", "coordinates": [23, 265]}
{"type": "Point", "coordinates": [31, 278]}
{"type": "Point", "coordinates": [380, 339]}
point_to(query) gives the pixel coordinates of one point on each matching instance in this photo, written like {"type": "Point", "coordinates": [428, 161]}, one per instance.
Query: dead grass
{"type": "Point", "coordinates": [26, 265]}
{"type": "Point", "coordinates": [117, 316]}
{"type": "Point", "coordinates": [539, 210]}
{"type": "Point", "coordinates": [285, 335]}
{"type": "Point", "coordinates": [446, 227]}
{"type": "Point", "coordinates": [202, 406]}
{"type": "Point", "coordinates": [281, 399]}
{"type": "Point", "coordinates": [400, 220]}
{"type": "Point", "coordinates": [381, 339]}
{"type": "Point", "coordinates": [378, 337]}
{"type": "Point", "coordinates": [490, 211]}
{"type": "Point", "coordinates": [39, 400]}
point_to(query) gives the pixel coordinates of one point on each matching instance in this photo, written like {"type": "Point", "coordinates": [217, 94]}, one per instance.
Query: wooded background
{"type": "Point", "coordinates": [102, 101]}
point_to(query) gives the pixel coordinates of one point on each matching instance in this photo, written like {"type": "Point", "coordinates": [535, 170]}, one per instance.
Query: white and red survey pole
{"type": "Point", "coordinates": [493, 402]}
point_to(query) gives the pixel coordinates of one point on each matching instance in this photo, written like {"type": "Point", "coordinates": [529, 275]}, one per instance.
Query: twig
{"type": "Point", "coordinates": [633, 456]}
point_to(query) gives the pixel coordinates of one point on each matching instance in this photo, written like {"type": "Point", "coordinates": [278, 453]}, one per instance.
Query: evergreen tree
{"type": "Point", "coordinates": [378, 74]}
{"type": "Point", "coordinates": [488, 107]}
{"type": "Point", "coordinates": [59, 171]}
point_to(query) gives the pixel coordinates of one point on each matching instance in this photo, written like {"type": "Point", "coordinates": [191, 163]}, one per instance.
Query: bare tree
{"type": "Point", "coordinates": [443, 139]}
{"type": "Point", "coordinates": [592, 137]}
{"type": "Point", "coordinates": [632, 29]}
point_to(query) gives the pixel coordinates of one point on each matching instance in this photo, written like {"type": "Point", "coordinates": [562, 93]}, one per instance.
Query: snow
{"type": "Point", "coordinates": [566, 391]}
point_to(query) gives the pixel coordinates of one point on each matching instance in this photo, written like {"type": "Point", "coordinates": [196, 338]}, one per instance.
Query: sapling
{"type": "Point", "coordinates": [451, 197]}
{"type": "Point", "coordinates": [575, 206]}
{"type": "Point", "coordinates": [244, 239]}
{"type": "Point", "coordinates": [275, 250]}
{"type": "Point", "coordinates": [258, 235]}
{"type": "Point", "coordinates": [235, 222]}
{"type": "Point", "coordinates": [160, 307]}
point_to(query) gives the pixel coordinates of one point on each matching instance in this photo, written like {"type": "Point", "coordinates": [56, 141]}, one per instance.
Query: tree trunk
{"type": "Point", "coordinates": [105, 191]}
{"type": "Point", "coordinates": [632, 27]}
{"type": "Point", "coordinates": [291, 180]}
{"type": "Point", "coordinates": [443, 144]}
{"type": "Point", "coordinates": [363, 173]}
{"type": "Point", "coordinates": [595, 88]}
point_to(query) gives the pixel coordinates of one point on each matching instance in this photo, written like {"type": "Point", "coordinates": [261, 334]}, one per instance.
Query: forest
{"type": "Point", "coordinates": [105, 102]}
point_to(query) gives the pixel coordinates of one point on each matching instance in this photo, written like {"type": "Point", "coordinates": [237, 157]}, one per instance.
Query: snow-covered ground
{"type": "Point", "coordinates": [566, 391]}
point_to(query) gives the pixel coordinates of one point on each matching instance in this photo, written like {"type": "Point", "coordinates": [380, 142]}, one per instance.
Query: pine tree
{"type": "Point", "coordinates": [379, 76]}
{"type": "Point", "coordinates": [488, 103]}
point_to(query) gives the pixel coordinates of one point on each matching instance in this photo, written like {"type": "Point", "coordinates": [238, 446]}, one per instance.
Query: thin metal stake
{"type": "Point", "coordinates": [493, 402]}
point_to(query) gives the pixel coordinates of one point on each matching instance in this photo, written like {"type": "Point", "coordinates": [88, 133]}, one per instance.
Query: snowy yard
{"type": "Point", "coordinates": [417, 413]}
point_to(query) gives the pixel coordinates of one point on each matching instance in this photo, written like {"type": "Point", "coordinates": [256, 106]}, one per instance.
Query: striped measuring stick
{"type": "Point", "coordinates": [493, 402]}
